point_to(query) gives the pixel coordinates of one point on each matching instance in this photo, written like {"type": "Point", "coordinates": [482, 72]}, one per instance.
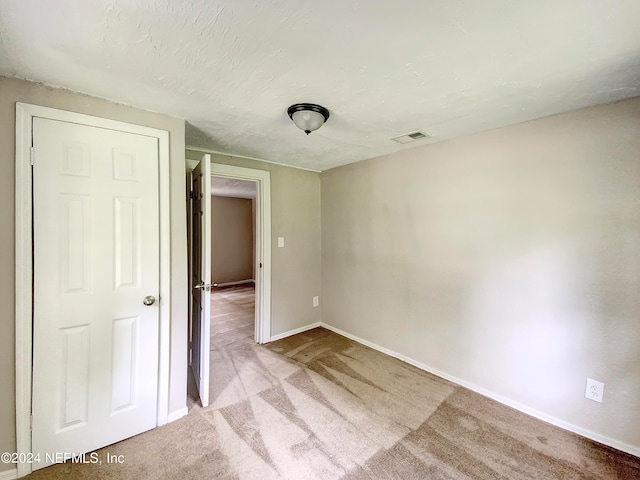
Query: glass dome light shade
{"type": "Point", "coordinates": [308, 117]}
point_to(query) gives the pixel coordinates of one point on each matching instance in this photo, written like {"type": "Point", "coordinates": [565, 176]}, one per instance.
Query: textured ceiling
{"type": "Point", "coordinates": [230, 187]}
{"type": "Point", "coordinates": [231, 68]}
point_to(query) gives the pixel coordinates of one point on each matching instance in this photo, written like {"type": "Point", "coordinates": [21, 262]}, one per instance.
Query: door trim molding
{"type": "Point", "coordinates": [24, 261]}
{"type": "Point", "coordinates": [263, 241]}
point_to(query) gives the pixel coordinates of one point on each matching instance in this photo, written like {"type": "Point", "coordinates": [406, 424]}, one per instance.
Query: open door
{"type": "Point", "coordinates": [201, 275]}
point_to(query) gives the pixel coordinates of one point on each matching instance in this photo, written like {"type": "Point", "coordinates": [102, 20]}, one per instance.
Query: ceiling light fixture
{"type": "Point", "coordinates": [308, 116]}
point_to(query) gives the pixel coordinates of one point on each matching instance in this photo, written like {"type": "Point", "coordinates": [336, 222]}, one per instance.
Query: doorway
{"type": "Point", "coordinates": [233, 257]}
{"type": "Point", "coordinates": [261, 268]}
{"type": "Point", "coordinates": [262, 264]}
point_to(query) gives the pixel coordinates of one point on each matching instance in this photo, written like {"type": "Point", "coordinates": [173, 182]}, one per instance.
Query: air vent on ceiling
{"type": "Point", "coordinates": [411, 137]}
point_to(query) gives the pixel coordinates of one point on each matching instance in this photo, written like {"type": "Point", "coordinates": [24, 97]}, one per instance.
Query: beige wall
{"type": "Point", "coordinates": [295, 215]}
{"type": "Point", "coordinates": [508, 259]}
{"type": "Point", "coordinates": [12, 91]}
{"type": "Point", "coordinates": [232, 239]}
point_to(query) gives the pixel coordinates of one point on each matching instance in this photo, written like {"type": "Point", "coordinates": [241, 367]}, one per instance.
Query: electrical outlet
{"type": "Point", "coordinates": [595, 390]}
{"type": "Point", "coordinates": [316, 301]}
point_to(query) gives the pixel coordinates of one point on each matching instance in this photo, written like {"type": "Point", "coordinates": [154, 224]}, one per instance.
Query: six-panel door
{"type": "Point", "coordinates": [96, 258]}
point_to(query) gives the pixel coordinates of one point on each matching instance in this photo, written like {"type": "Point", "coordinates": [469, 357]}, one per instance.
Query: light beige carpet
{"type": "Point", "coordinates": [319, 406]}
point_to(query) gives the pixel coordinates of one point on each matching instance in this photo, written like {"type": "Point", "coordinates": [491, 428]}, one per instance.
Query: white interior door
{"type": "Point", "coordinates": [201, 275]}
{"type": "Point", "coordinates": [96, 267]}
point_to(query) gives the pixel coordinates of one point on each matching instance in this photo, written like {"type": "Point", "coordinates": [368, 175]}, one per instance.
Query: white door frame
{"type": "Point", "coordinates": [262, 275]}
{"type": "Point", "coordinates": [24, 261]}
{"type": "Point", "coordinates": [262, 272]}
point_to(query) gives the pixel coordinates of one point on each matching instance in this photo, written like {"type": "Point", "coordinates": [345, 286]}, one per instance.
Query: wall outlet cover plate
{"type": "Point", "coordinates": [594, 390]}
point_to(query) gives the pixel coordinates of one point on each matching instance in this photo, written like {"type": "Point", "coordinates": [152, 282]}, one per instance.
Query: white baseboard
{"type": "Point", "coordinates": [295, 331]}
{"type": "Point", "coordinates": [9, 474]}
{"type": "Point", "coordinates": [239, 282]}
{"type": "Point", "coordinates": [499, 398]}
{"type": "Point", "coordinates": [173, 416]}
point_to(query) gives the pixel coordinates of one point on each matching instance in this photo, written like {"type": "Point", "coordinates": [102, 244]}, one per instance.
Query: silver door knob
{"type": "Point", "coordinates": [150, 300]}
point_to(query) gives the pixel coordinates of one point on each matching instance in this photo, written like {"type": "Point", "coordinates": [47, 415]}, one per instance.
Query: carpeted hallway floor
{"type": "Point", "coordinates": [319, 406]}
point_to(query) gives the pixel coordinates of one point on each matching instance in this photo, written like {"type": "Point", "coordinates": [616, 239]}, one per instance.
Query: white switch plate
{"type": "Point", "coordinates": [280, 242]}
{"type": "Point", "coordinates": [316, 301]}
{"type": "Point", "coordinates": [594, 390]}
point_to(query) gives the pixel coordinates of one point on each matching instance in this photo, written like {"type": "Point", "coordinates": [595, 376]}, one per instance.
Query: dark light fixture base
{"type": "Point", "coordinates": [298, 107]}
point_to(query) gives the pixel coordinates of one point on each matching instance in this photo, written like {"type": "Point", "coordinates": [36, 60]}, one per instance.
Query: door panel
{"type": "Point", "coordinates": [75, 376]}
{"type": "Point", "coordinates": [96, 257]}
{"type": "Point", "coordinates": [126, 241]}
{"type": "Point", "coordinates": [123, 373]}
{"type": "Point", "coordinates": [201, 276]}
{"type": "Point", "coordinates": [75, 237]}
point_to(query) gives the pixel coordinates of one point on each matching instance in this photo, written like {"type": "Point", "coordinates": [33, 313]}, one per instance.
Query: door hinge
{"type": "Point", "coordinates": [31, 422]}
{"type": "Point", "coordinates": [191, 195]}
{"type": "Point", "coordinates": [260, 264]}
{"type": "Point", "coordinates": [33, 154]}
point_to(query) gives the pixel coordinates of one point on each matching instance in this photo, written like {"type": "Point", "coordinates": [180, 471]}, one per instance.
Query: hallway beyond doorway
{"type": "Point", "coordinates": [232, 315]}
{"type": "Point", "coordinates": [232, 340]}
